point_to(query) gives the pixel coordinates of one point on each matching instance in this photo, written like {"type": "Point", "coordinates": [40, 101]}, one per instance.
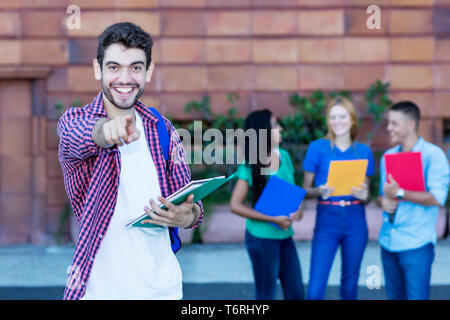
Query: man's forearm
{"type": "Point", "coordinates": [75, 132]}
{"type": "Point", "coordinates": [422, 198]}
{"type": "Point", "coordinates": [98, 135]}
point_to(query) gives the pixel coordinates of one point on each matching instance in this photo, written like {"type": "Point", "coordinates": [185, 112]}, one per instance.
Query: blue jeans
{"type": "Point", "coordinates": [408, 273]}
{"type": "Point", "coordinates": [337, 226]}
{"type": "Point", "coordinates": [272, 259]}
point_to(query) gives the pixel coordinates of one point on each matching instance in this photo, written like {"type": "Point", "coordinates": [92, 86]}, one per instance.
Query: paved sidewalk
{"type": "Point", "coordinates": [31, 266]}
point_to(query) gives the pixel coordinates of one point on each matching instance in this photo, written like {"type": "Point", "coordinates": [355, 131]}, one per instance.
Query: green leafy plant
{"type": "Point", "coordinates": [230, 120]}
{"type": "Point", "coordinates": [306, 124]}
{"type": "Point", "coordinates": [378, 102]}
{"type": "Point", "coordinates": [203, 107]}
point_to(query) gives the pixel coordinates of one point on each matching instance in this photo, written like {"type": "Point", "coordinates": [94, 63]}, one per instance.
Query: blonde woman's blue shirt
{"type": "Point", "coordinates": [321, 152]}
{"type": "Point", "coordinates": [414, 225]}
{"type": "Point", "coordinates": [262, 229]}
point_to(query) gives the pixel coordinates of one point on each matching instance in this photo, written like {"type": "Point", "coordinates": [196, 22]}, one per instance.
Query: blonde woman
{"type": "Point", "coordinates": [340, 221]}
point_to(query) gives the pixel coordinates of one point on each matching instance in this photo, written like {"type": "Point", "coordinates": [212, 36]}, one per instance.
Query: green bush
{"type": "Point", "coordinates": [306, 124]}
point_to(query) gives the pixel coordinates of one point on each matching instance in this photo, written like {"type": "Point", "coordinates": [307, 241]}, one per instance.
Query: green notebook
{"type": "Point", "coordinates": [200, 189]}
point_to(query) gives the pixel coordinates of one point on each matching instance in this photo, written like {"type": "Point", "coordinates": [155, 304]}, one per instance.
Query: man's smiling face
{"type": "Point", "coordinates": [123, 75]}
{"type": "Point", "coordinates": [400, 126]}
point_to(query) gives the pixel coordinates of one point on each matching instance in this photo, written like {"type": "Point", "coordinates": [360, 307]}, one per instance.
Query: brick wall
{"type": "Point", "coordinates": [262, 49]}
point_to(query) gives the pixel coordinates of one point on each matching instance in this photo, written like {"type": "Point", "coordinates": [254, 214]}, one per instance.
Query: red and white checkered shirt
{"type": "Point", "coordinates": [91, 178]}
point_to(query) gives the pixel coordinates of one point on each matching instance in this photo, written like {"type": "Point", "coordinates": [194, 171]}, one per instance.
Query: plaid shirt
{"type": "Point", "coordinates": [91, 178]}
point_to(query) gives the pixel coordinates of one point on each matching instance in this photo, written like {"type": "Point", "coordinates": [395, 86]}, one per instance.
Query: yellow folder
{"type": "Point", "coordinates": [345, 174]}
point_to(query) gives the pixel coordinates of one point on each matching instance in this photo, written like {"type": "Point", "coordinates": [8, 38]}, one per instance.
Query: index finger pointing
{"type": "Point", "coordinates": [129, 122]}
{"type": "Point", "coordinates": [128, 119]}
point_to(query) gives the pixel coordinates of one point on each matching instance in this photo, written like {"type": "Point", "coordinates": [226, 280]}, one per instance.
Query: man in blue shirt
{"type": "Point", "coordinates": [408, 234]}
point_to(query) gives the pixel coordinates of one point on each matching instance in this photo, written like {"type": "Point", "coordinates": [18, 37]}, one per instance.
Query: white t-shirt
{"type": "Point", "coordinates": [136, 263]}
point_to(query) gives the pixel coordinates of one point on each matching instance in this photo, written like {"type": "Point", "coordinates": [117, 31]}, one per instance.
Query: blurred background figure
{"type": "Point", "coordinates": [341, 221]}
{"type": "Point", "coordinates": [408, 234]}
{"type": "Point", "coordinates": [271, 250]}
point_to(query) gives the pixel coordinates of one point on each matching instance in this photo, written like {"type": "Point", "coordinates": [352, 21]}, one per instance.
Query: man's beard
{"type": "Point", "coordinates": [107, 92]}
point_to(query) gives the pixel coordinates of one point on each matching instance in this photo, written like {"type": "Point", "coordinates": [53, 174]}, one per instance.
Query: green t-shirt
{"type": "Point", "coordinates": [262, 229]}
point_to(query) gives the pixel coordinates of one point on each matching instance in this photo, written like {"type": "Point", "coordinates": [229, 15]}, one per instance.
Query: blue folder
{"type": "Point", "coordinates": [279, 197]}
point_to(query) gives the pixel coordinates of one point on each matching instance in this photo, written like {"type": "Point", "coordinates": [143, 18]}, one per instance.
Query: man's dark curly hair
{"type": "Point", "coordinates": [127, 33]}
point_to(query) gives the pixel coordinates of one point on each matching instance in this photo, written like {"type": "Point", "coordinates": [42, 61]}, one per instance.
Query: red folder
{"type": "Point", "coordinates": [406, 168]}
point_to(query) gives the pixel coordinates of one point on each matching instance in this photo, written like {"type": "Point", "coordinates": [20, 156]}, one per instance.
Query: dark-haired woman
{"type": "Point", "coordinates": [271, 250]}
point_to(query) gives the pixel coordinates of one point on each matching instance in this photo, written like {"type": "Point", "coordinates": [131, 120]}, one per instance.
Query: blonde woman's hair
{"type": "Point", "coordinates": [347, 105]}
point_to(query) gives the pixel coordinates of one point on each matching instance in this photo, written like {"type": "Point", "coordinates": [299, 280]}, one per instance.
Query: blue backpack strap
{"type": "Point", "coordinates": [175, 240]}
{"type": "Point", "coordinates": [164, 140]}
{"type": "Point", "coordinates": [163, 133]}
